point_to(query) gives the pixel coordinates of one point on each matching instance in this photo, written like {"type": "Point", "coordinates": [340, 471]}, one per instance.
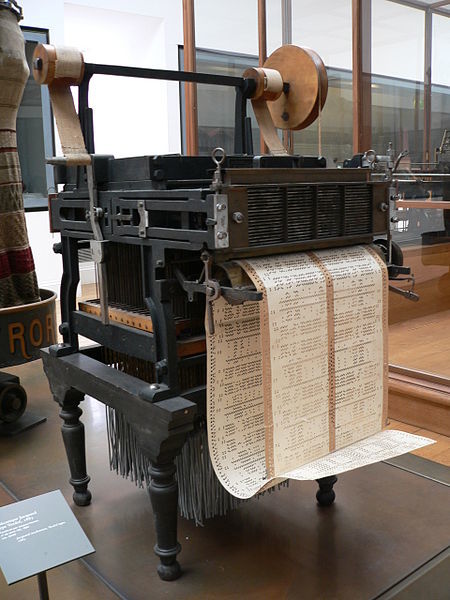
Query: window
{"type": "Point", "coordinates": [216, 110]}
{"type": "Point", "coordinates": [35, 133]}
{"type": "Point", "coordinates": [397, 116]}
{"type": "Point", "coordinates": [216, 103]}
{"type": "Point", "coordinates": [336, 123]}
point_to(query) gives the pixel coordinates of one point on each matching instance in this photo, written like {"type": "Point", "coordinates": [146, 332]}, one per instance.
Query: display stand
{"type": "Point", "coordinates": [39, 534]}
{"type": "Point", "coordinates": [43, 585]}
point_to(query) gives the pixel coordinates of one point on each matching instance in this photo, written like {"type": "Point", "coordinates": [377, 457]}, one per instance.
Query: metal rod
{"type": "Point", "coordinates": [417, 4]}
{"type": "Point", "coordinates": [164, 74]}
{"type": "Point", "coordinates": [427, 86]}
{"type": "Point", "coordinates": [438, 4]}
{"type": "Point", "coordinates": [262, 52]}
{"type": "Point", "coordinates": [43, 585]}
{"type": "Point", "coordinates": [286, 38]}
{"type": "Point", "coordinates": [286, 22]}
{"type": "Point", "coordinates": [408, 294]}
{"type": "Point", "coordinates": [413, 174]}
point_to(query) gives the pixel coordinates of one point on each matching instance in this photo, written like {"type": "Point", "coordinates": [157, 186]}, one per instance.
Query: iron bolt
{"type": "Point", "coordinates": [221, 235]}
{"type": "Point", "coordinates": [238, 217]}
{"type": "Point", "coordinates": [37, 64]}
{"type": "Point", "coordinates": [220, 206]}
{"type": "Point", "coordinates": [154, 386]}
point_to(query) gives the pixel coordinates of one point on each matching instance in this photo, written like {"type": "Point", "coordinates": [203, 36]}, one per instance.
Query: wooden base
{"type": "Point", "coordinates": [420, 399]}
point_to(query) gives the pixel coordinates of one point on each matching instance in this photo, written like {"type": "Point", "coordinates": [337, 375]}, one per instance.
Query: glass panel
{"type": "Point", "coordinates": [273, 25]}
{"type": "Point", "coordinates": [230, 26]}
{"type": "Point", "coordinates": [216, 110]}
{"type": "Point", "coordinates": [397, 40]}
{"type": "Point", "coordinates": [419, 331]}
{"type": "Point", "coordinates": [336, 122]}
{"type": "Point", "coordinates": [440, 77]}
{"type": "Point", "coordinates": [397, 116]}
{"type": "Point", "coordinates": [34, 134]}
{"type": "Point", "coordinates": [440, 58]}
{"type": "Point", "coordinates": [216, 103]}
{"type": "Point", "coordinates": [30, 135]}
{"type": "Point", "coordinates": [326, 27]}
{"type": "Point", "coordinates": [445, 8]}
{"type": "Point", "coordinates": [440, 114]}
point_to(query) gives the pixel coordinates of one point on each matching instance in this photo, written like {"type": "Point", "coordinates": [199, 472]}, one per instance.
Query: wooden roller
{"type": "Point", "coordinates": [59, 68]}
{"type": "Point", "coordinates": [62, 64]}
{"type": "Point", "coordinates": [291, 90]}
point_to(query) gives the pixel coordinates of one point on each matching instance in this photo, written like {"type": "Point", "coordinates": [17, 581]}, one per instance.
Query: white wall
{"type": "Point", "coordinates": [138, 117]}
{"type": "Point", "coordinates": [131, 117]}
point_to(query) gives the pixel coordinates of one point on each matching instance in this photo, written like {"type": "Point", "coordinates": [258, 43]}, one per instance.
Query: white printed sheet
{"type": "Point", "coordinates": [297, 383]}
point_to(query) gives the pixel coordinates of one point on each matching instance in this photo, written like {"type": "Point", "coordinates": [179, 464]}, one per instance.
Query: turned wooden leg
{"type": "Point", "coordinates": [73, 436]}
{"type": "Point", "coordinates": [164, 497]}
{"type": "Point", "coordinates": [325, 494]}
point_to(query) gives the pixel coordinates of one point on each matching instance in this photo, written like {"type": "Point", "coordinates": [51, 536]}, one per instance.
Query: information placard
{"type": "Point", "coordinates": [38, 534]}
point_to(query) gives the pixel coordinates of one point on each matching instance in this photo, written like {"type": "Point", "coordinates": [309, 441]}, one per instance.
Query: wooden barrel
{"type": "Point", "coordinates": [25, 329]}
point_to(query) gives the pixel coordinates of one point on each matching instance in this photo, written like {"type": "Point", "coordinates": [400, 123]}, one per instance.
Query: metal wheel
{"type": "Point", "coordinates": [13, 401]}
{"type": "Point", "coordinates": [397, 254]}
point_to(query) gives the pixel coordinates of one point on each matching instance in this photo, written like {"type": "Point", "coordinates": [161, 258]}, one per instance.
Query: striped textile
{"type": "Point", "coordinates": [18, 284]}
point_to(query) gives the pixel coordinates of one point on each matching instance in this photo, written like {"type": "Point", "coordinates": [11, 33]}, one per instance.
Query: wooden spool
{"type": "Point", "coordinates": [62, 64]}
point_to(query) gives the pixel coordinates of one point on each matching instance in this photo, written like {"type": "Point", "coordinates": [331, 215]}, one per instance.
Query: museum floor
{"type": "Point", "coordinates": [387, 522]}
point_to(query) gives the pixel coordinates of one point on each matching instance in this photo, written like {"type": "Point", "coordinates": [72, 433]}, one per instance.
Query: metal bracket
{"type": "Point", "coordinates": [143, 219]}
{"type": "Point", "coordinates": [394, 272]}
{"type": "Point", "coordinates": [212, 290]}
{"type": "Point", "coordinates": [408, 294]}
{"type": "Point", "coordinates": [221, 237]}
{"type": "Point", "coordinates": [121, 218]}
{"type": "Point", "coordinates": [220, 219]}
{"type": "Point", "coordinates": [233, 296]}
{"type": "Point", "coordinates": [98, 248]}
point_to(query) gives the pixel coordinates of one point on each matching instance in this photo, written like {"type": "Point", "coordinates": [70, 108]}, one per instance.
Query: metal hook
{"type": "Point", "coordinates": [218, 160]}
{"type": "Point", "coordinates": [216, 153]}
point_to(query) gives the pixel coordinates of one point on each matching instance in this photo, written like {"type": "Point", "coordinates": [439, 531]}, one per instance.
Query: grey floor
{"type": "Point", "coordinates": [386, 523]}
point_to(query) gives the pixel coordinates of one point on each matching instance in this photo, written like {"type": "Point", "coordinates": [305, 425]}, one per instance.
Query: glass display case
{"type": "Point", "coordinates": [420, 331]}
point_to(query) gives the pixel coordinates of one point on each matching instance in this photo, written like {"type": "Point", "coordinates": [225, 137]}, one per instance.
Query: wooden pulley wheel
{"type": "Point", "coordinates": [304, 71]}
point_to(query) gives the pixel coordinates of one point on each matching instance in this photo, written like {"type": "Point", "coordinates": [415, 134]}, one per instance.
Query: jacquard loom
{"type": "Point", "coordinates": [164, 231]}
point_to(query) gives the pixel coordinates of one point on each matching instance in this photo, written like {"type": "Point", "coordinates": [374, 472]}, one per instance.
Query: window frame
{"type": "Point", "coordinates": [31, 202]}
